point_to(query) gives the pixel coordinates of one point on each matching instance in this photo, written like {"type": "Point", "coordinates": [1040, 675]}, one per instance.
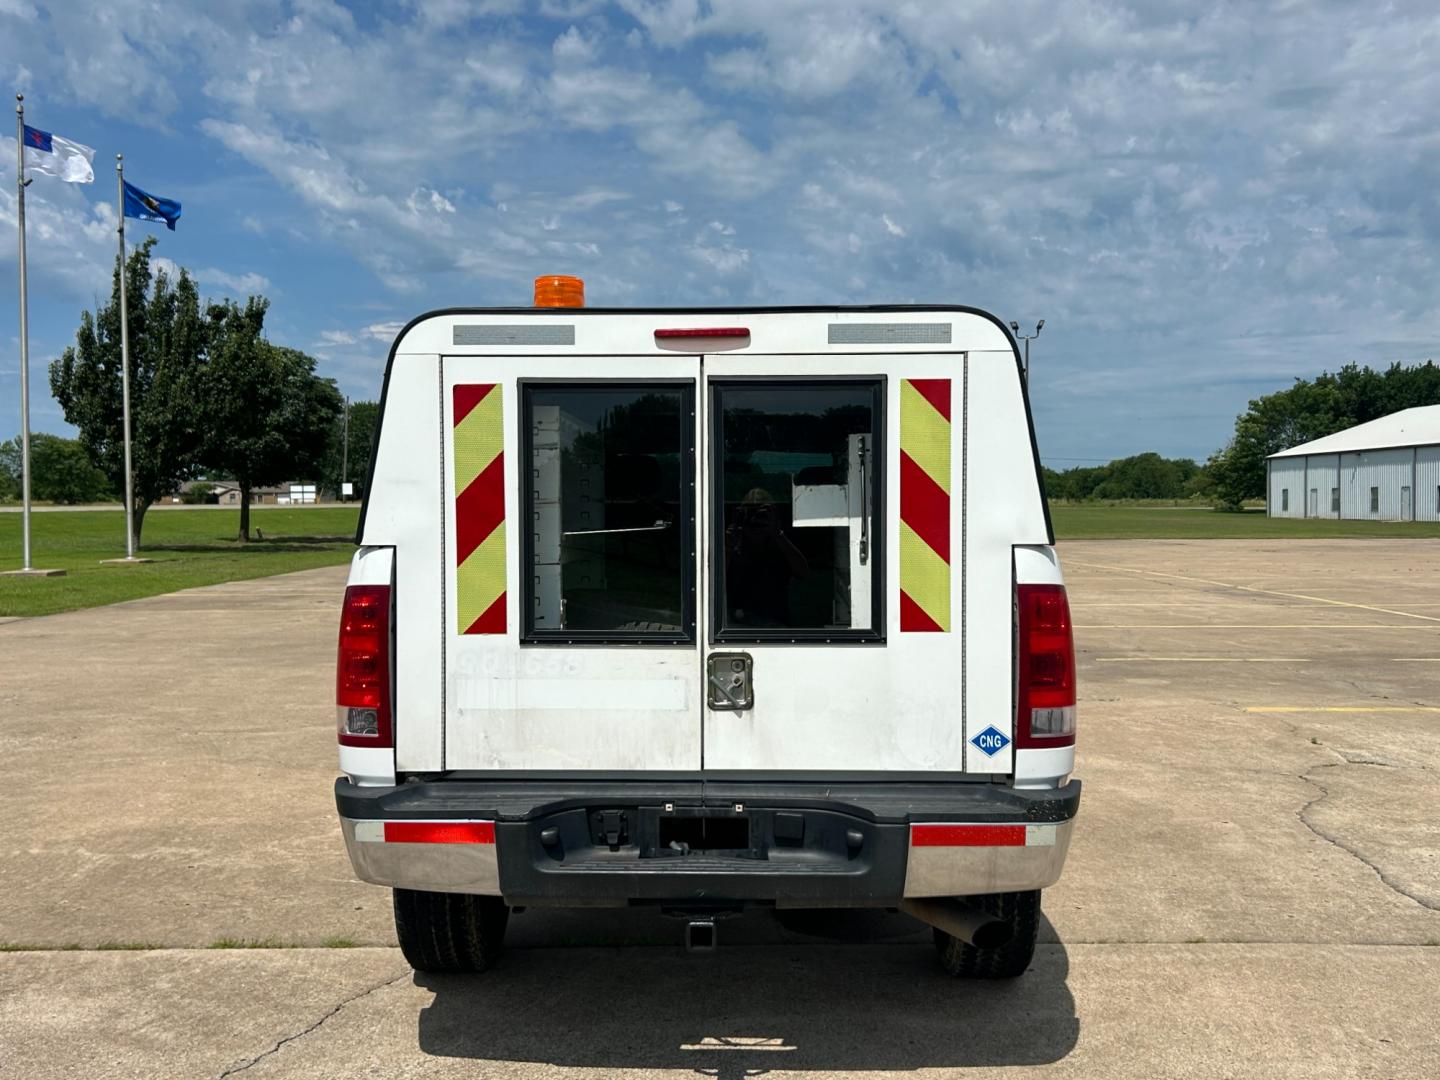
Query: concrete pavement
{"type": "Point", "coordinates": [1252, 889]}
{"type": "Point", "coordinates": [1127, 1011]}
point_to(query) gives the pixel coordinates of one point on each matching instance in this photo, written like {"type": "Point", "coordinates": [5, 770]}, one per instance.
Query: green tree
{"type": "Point", "coordinates": [167, 342]}
{"type": "Point", "coordinates": [60, 471]}
{"type": "Point", "coordinates": [9, 472]}
{"type": "Point", "coordinates": [1311, 409]}
{"type": "Point", "coordinates": [1146, 476]}
{"type": "Point", "coordinates": [364, 416]}
{"type": "Point", "coordinates": [267, 416]}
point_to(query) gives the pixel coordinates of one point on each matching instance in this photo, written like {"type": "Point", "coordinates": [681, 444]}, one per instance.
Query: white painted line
{"type": "Point", "coordinates": [1253, 626]}
{"type": "Point", "coordinates": [737, 1042]}
{"type": "Point", "coordinates": [1252, 589]}
{"type": "Point", "coordinates": [1342, 709]}
{"type": "Point", "coordinates": [1204, 659]}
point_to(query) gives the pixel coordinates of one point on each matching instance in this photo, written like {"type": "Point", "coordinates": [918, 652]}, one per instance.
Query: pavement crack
{"type": "Point", "coordinates": [241, 1067]}
{"type": "Point", "coordinates": [1303, 815]}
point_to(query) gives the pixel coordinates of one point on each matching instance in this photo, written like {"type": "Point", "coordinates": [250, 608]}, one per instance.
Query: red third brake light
{"type": "Point", "coordinates": [704, 331]}
{"type": "Point", "coordinates": [362, 670]}
{"type": "Point", "coordinates": [1045, 698]}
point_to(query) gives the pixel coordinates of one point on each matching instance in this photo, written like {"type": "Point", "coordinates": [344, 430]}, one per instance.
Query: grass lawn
{"type": "Point", "coordinates": [190, 547]}
{"type": "Point", "coordinates": [197, 547]}
{"type": "Point", "coordinates": [1087, 522]}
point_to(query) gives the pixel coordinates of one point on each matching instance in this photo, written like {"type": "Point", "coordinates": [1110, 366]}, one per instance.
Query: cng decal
{"type": "Point", "coordinates": [990, 741]}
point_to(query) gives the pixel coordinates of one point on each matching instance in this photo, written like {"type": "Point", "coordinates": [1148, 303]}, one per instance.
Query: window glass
{"type": "Point", "coordinates": [1335, 500]}
{"type": "Point", "coordinates": [1374, 499]}
{"type": "Point", "coordinates": [796, 491]}
{"type": "Point", "coordinates": [1284, 498]}
{"type": "Point", "coordinates": [610, 487]}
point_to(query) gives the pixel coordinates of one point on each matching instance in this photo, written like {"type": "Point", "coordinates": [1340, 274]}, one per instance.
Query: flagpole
{"type": "Point", "coordinates": [125, 359]}
{"type": "Point", "coordinates": [24, 336]}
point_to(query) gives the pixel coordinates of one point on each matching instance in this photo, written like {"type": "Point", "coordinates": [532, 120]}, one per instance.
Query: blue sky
{"type": "Point", "coordinates": [1203, 201]}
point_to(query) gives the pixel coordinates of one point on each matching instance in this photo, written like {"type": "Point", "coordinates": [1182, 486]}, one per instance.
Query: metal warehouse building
{"type": "Point", "coordinates": [1386, 470]}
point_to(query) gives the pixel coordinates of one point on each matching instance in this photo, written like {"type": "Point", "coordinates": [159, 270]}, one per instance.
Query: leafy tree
{"type": "Point", "coordinates": [364, 416]}
{"type": "Point", "coordinates": [60, 471]}
{"type": "Point", "coordinates": [167, 341]}
{"type": "Point", "coordinates": [1143, 476]}
{"type": "Point", "coordinates": [198, 494]}
{"type": "Point", "coordinates": [9, 473]}
{"type": "Point", "coordinates": [1311, 409]}
{"type": "Point", "coordinates": [267, 417]}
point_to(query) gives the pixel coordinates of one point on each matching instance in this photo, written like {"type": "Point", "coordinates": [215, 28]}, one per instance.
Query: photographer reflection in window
{"type": "Point", "coordinates": [760, 562]}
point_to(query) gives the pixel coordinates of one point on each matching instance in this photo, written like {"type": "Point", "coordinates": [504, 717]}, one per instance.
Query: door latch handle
{"type": "Point", "coordinates": [735, 702]}
{"type": "Point", "coordinates": [730, 681]}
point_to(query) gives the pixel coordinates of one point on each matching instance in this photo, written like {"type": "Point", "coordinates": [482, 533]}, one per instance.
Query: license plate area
{"type": "Point", "coordinates": [678, 831]}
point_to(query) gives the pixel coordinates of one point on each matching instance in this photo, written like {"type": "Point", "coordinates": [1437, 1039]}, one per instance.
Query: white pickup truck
{"type": "Point", "coordinates": [702, 610]}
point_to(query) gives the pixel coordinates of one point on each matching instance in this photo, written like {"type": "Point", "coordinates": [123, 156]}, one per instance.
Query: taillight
{"type": "Point", "coordinates": [1045, 702]}
{"type": "Point", "coordinates": [703, 332]}
{"type": "Point", "coordinates": [362, 671]}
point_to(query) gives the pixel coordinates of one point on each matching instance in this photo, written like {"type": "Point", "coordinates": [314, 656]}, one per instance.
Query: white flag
{"type": "Point", "coordinates": [53, 155]}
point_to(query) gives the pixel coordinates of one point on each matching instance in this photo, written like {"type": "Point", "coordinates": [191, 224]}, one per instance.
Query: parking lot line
{"type": "Point", "coordinates": [1342, 708]}
{"type": "Point", "coordinates": [1205, 659]}
{"type": "Point", "coordinates": [1253, 626]}
{"type": "Point", "coordinates": [1253, 589]}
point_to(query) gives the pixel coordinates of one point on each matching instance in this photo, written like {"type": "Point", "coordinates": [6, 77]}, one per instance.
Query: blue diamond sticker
{"type": "Point", "coordinates": [990, 741]}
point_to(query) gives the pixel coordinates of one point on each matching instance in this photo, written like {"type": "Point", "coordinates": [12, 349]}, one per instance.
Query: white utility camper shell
{"type": "Point", "coordinates": [707, 609]}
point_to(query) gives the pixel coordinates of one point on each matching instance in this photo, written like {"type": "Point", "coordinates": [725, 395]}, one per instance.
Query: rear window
{"type": "Point", "coordinates": [799, 472]}
{"type": "Point", "coordinates": [609, 490]}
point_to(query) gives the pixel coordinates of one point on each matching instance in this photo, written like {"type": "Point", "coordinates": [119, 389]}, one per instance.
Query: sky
{"type": "Point", "coordinates": [1203, 201]}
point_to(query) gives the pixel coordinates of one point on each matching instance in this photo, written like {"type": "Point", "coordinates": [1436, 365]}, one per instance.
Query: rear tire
{"type": "Point", "coordinates": [449, 932]}
{"type": "Point", "coordinates": [1022, 911]}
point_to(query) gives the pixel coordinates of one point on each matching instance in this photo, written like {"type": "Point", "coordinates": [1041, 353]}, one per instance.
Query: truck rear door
{"type": "Point", "coordinates": [833, 582]}
{"type": "Point", "coordinates": [571, 608]}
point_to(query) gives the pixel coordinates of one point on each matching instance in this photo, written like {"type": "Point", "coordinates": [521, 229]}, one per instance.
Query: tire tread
{"type": "Point", "coordinates": [449, 932]}
{"type": "Point", "coordinates": [1022, 911]}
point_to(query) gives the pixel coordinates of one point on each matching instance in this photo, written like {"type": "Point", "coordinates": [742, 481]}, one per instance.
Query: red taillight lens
{"type": "Point", "coordinates": [1045, 701]}
{"type": "Point", "coordinates": [703, 332]}
{"type": "Point", "coordinates": [362, 669]}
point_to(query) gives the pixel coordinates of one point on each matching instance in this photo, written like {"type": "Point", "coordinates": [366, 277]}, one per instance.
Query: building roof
{"type": "Point", "coordinates": [1419, 426]}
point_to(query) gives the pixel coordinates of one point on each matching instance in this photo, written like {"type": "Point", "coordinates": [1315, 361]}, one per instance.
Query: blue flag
{"type": "Point", "coordinates": [147, 207]}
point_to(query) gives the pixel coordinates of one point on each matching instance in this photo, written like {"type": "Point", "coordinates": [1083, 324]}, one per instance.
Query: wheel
{"type": "Point", "coordinates": [449, 932]}
{"type": "Point", "coordinates": [1022, 911]}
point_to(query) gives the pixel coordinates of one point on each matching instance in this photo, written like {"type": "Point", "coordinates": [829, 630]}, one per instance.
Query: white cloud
{"type": "Point", "coordinates": [237, 284]}
{"type": "Point", "coordinates": [1153, 179]}
{"type": "Point", "coordinates": [573, 47]}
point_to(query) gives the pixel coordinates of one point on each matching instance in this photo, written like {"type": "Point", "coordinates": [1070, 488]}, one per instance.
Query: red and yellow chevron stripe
{"type": "Point", "coordinates": [479, 453]}
{"type": "Point", "coordinates": [925, 505]}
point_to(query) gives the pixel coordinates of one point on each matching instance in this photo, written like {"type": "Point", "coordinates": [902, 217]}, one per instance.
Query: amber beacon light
{"type": "Point", "coordinates": [559, 290]}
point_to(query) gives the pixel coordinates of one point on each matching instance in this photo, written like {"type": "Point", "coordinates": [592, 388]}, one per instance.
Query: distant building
{"type": "Point", "coordinates": [227, 493]}
{"type": "Point", "coordinates": [1384, 470]}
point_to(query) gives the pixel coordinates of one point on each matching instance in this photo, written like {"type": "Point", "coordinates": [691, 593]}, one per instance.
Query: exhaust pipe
{"type": "Point", "coordinates": [959, 920]}
{"type": "Point", "coordinates": [700, 935]}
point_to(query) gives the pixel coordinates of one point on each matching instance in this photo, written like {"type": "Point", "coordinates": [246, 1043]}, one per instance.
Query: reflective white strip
{"type": "Point", "coordinates": [1040, 835]}
{"type": "Point", "coordinates": [370, 830]}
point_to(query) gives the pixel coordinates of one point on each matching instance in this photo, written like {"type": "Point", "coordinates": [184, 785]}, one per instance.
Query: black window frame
{"type": "Point", "coordinates": [879, 551]}
{"type": "Point", "coordinates": [689, 571]}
